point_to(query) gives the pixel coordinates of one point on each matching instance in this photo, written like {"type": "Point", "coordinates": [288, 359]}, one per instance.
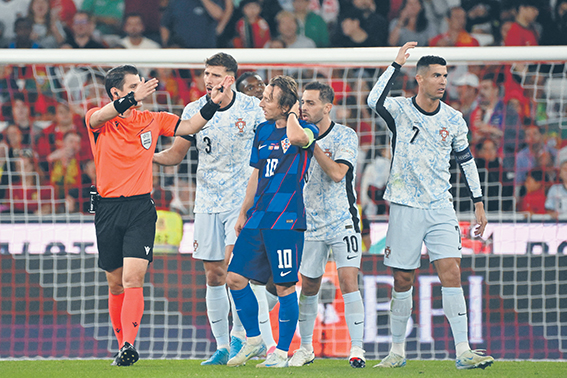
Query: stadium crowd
{"type": "Point", "coordinates": [517, 133]}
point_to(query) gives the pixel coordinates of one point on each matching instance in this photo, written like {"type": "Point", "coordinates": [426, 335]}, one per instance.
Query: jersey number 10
{"type": "Point", "coordinates": [284, 259]}
{"type": "Point", "coordinates": [271, 165]}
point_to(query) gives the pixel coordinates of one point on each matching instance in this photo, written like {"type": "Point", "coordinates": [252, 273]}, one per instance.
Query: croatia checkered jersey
{"type": "Point", "coordinates": [278, 201]}
{"type": "Point", "coordinates": [422, 143]}
{"type": "Point", "coordinates": [331, 206]}
{"type": "Point", "coordinates": [224, 146]}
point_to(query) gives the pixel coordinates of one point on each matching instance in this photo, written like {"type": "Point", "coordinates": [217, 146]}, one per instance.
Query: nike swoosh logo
{"type": "Point", "coordinates": [284, 321]}
{"type": "Point", "coordinates": [462, 314]}
{"type": "Point", "coordinates": [351, 257]}
{"type": "Point", "coordinates": [460, 248]}
{"type": "Point", "coordinates": [262, 146]}
{"type": "Point", "coordinates": [283, 274]}
{"type": "Point", "coordinates": [264, 322]}
{"type": "Point", "coordinates": [358, 323]}
{"type": "Point", "coordinates": [301, 320]}
{"type": "Point", "coordinates": [216, 321]}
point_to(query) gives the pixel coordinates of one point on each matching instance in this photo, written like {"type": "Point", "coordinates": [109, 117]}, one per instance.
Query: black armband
{"type": "Point", "coordinates": [463, 156]}
{"type": "Point", "coordinates": [209, 110]}
{"type": "Point", "coordinates": [294, 113]}
{"type": "Point", "coordinates": [125, 103]}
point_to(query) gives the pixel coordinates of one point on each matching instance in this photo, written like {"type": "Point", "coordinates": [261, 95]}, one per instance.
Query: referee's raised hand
{"type": "Point", "coordinates": [221, 92]}
{"type": "Point", "coordinates": [145, 88]}
{"type": "Point", "coordinates": [403, 53]}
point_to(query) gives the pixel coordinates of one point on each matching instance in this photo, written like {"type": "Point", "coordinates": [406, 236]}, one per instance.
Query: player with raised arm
{"type": "Point", "coordinates": [333, 223]}
{"type": "Point", "coordinates": [224, 147]}
{"type": "Point", "coordinates": [425, 131]}
{"type": "Point", "coordinates": [123, 140]}
{"type": "Point", "coordinates": [272, 220]}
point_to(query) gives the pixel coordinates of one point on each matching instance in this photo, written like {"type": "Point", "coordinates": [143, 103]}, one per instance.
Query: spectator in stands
{"type": "Point", "coordinates": [456, 34]}
{"type": "Point", "coordinates": [497, 183]}
{"type": "Point", "coordinates": [483, 20]}
{"type": "Point", "coordinates": [193, 23]}
{"type": "Point", "coordinates": [10, 11]}
{"type": "Point", "coordinates": [50, 143]}
{"type": "Point", "coordinates": [134, 28]}
{"type": "Point", "coordinates": [374, 23]}
{"type": "Point", "coordinates": [287, 28]}
{"type": "Point", "coordinates": [523, 31]}
{"type": "Point", "coordinates": [251, 84]}
{"type": "Point", "coordinates": [310, 24]}
{"type": "Point", "coordinates": [197, 88]}
{"type": "Point", "coordinates": [22, 40]}
{"type": "Point", "coordinates": [467, 88]}
{"type": "Point", "coordinates": [150, 11]}
{"type": "Point", "coordinates": [533, 154]}
{"type": "Point", "coordinates": [65, 170]}
{"type": "Point", "coordinates": [350, 33]}
{"type": "Point", "coordinates": [65, 9]}
{"type": "Point", "coordinates": [21, 116]}
{"type": "Point", "coordinates": [556, 202]}
{"type": "Point", "coordinates": [276, 43]}
{"type": "Point", "coordinates": [3, 40]}
{"type": "Point", "coordinates": [252, 31]}
{"type": "Point", "coordinates": [47, 30]}
{"type": "Point", "coordinates": [82, 33]}
{"type": "Point", "coordinates": [170, 81]}
{"type": "Point", "coordinates": [107, 14]}
{"type": "Point", "coordinates": [411, 25]}
{"type": "Point", "coordinates": [487, 118]}
{"type": "Point", "coordinates": [533, 201]}
{"type": "Point", "coordinates": [27, 193]}
{"type": "Point", "coordinates": [559, 34]}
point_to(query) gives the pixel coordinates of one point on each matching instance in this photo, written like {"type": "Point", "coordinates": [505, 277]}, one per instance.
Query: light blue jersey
{"type": "Point", "coordinates": [331, 206]}
{"type": "Point", "coordinates": [224, 146]}
{"type": "Point", "coordinates": [422, 143]}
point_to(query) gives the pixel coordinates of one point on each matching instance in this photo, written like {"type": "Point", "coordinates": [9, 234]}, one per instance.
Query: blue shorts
{"type": "Point", "coordinates": [259, 254]}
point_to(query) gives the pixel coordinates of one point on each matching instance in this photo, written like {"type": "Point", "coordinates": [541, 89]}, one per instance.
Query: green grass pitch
{"type": "Point", "coordinates": [324, 368]}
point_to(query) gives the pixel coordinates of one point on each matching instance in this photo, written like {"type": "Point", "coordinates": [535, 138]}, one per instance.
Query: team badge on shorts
{"type": "Point", "coordinates": [387, 252]}
{"type": "Point", "coordinates": [146, 139]}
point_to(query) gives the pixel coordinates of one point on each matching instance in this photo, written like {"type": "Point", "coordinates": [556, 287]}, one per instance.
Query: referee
{"type": "Point", "coordinates": [123, 140]}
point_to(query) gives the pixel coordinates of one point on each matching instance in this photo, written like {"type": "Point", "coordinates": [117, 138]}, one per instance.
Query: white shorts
{"type": "Point", "coordinates": [212, 233]}
{"type": "Point", "coordinates": [409, 227]}
{"type": "Point", "coordinates": [346, 248]}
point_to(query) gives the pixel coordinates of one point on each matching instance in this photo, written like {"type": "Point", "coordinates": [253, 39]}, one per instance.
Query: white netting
{"type": "Point", "coordinates": [47, 240]}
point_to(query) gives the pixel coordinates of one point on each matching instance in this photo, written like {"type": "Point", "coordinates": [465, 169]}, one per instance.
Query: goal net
{"type": "Point", "coordinates": [54, 296]}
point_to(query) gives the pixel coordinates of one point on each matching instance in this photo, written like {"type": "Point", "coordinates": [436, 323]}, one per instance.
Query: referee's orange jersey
{"type": "Point", "coordinates": [123, 149]}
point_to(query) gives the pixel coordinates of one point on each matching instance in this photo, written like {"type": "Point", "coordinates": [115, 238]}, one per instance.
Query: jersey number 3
{"type": "Point", "coordinates": [271, 165]}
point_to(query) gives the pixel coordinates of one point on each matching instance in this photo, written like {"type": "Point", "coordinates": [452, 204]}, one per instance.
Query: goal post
{"type": "Point", "coordinates": [54, 296]}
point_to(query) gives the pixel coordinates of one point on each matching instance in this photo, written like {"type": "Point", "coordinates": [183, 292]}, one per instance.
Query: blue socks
{"type": "Point", "coordinates": [289, 313]}
{"type": "Point", "coordinates": [247, 309]}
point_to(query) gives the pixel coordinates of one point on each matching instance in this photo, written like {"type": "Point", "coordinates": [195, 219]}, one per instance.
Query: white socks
{"type": "Point", "coordinates": [455, 310]}
{"type": "Point", "coordinates": [217, 311]}
{"type": "Point", "coordinates": [354, 316]}
{"type": "Point", "coordinates": [400, 312]}
{"type": "Point", "coordinates": [263, 314]}
{"type": "Point", "coordinates": [308, 308]}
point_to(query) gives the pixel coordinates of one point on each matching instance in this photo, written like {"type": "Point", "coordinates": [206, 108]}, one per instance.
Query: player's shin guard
{"type": "Point", "coordinates": [455, 310]}
{"type": "Point", "coordinates": [354, 316]}
{"type": "Point", "coordinates": [115, 303]}
{"type": "Point", "coordinates": [247, 309]}
{"type": "Point", "coordinates": [263, 314]}
{"type": "Point", "coordinates": [289, 313]}
{"type": "Point", "coordinates": [132, 311]}
{"type": "Point", "coordinates": [400, 312]}
{"type": "Point", "coordinates": [217, 311]}
{"type": "Point", "coordinates": [308, 307]}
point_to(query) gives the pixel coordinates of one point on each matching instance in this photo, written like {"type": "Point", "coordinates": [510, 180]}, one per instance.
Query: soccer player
{"type": "Point", "coordinates": [123, 140]}
{"type": "Point", "coordinates": [272, 219]}
{"type": "Point", "coordinates": [333, 222]}
{"type": "Point", "coordinates": [424, 133]}
{"type": "Point", "coordinates": [251, 84]}
{"type": "Point", "coordinates": [224, 147]}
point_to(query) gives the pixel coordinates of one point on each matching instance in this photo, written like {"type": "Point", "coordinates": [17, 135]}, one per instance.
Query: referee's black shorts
{"type": "Point", "coordinates": [125, 227]}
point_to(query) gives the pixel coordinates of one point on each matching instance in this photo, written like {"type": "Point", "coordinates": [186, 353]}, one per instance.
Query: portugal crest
{"type": "Point", "coordinates": [240, 124]}
{"type": "Point", "coordinates": [444, 133]}
{"type": "Point", "coordinates": [146, 139]}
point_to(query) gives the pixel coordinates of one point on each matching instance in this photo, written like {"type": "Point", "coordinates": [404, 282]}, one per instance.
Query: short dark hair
{"type": "Point", "coordinates": [288, 86]}
{"type": "Point", "coordinates": [536, 174]}
{"type": "Point", "coordinates": [326, 92]}
{"type": "Point", "coordinates": [243, 77]}
{"type": "Point", "coordinates": [115, 77]}
{"type": "Point", "coordinates": [223, 60]}
{"type": "Point", "coordinates": [133, 14]}
{"type": "Point", "coordinates": [352, 13]}
{"type": "Point", "coordinates": [428, 60]}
